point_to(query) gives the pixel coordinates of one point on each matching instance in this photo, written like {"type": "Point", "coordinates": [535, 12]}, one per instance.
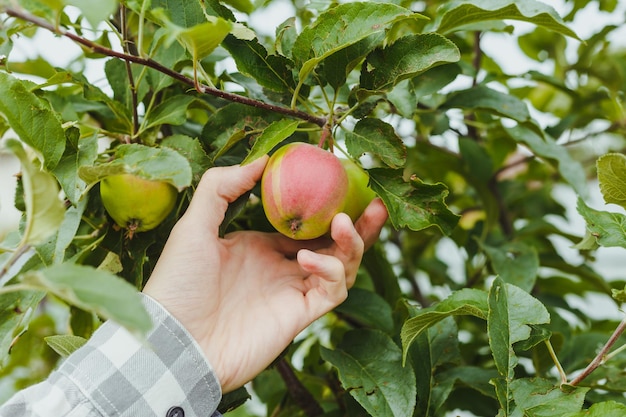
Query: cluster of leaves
{"type": "Point", "coordinates": [458, 149]}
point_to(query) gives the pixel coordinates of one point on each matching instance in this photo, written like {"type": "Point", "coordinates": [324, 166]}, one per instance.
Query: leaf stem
{"type": "Point", "coordinates": [602, 356]}
{"type": "Point", "coordinates": [558, 365]}
{"type": "Point", "coordinates": [148, 62]}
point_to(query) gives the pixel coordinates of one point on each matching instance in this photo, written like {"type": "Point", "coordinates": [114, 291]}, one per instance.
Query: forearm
{"type": "Point", "coordinates": [115, 374]}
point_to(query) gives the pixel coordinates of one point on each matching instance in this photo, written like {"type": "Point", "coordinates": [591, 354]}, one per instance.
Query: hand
{"type": "Point", "coordinates": [245, 297]}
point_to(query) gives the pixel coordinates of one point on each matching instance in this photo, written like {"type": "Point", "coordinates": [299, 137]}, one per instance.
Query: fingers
{"type": "Point", "coordinates": [371, 222]}
{"type": "Point", "coordinates": [349, 245]}
{"type": "Point", "coordinates": [327, 282]}
{"type": "Point", "coordinates": [220, 186]}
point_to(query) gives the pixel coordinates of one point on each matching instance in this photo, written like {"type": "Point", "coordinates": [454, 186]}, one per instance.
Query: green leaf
{"type": "Point", "coordinates": [191, 149]}
{"type": "Point", "coordinates": [337, 66]}
{"type": "Point", "coordinates": [378, 138]}
{"type": "Point", "coordinates": [158, 164]}
{"type": "Point", "coordinates": [405, 58]}
{"type": "Point", "coordinates": [434, 348]}
{"type": "Point", "coordinates": [65, 344]}
{"type": "Point", "coordinates": [202, 39]}
{"type": "Point", "coordinates": [515, 262]}
{"type": "Point", "coordinates": [603, 409]}
{"type": "Point", "coordinates": [270, 71]}
{"type": "Point", "coordinates": [44, 209]}
{"type": "Point", "coordinates": [454, 15]}
{"type": "Point", "coordinates": [511, 311]}
{"type": "Point", "coordinates": [539, 397]}
{"type": "Point", "coordinates": [246, 6]}
{"type": "Point", "coordinates": [612, 177]}
{"type": "Point", "coordinates": [544, 146]}
{"type": "Point", "coordinates": [95, 12]}
{"type": "Point", "coordinates": [32, 119]}
{"type": "Point", "coordinates": [412, 204]}
{"type": "Point", "coordinates": [484, 98]}
{"type": "Point", "coordinates": [78, 152]}
{"type": "Point", "coordinates": [67, 230]}
{"type": "Point", "coordinates": [370, 369]}
{"type": "Point", "coordinates": [15, 311]}
{"type": "Point", "coordinates": [340, 27]}
{"type": "Point", "coordinates": [234, 120]}
{"type": "Point", "coordinates": [172, 111]}
{"type": "Point", "coordinates": [608, 229]}
{"type": "Point", "coordinates": [368, 309]}
{"type": "Point", "coordinates": [498, 328]}
{"type": "Point", "coordinates": [463, 302]}
{"type": "Point", "coordinates": [93, 290]}
{"type": "Point", "coordinates": [271, 136]}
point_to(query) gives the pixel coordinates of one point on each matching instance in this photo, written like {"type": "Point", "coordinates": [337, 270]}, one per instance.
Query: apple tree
{"type": "Point", "coordinates": [483, 295]}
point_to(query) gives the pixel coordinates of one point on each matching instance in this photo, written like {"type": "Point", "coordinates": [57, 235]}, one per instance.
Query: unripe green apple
{"type": "Point", "coordinates": [302, 188]}
{"type": "Point", "coordinates": [359, 194]}
{"type": "Point", "coordinates": [137, 204]}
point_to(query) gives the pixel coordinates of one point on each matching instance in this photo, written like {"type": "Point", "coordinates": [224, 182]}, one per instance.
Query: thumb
{"type": "Point", "coordinates": [220, 186]}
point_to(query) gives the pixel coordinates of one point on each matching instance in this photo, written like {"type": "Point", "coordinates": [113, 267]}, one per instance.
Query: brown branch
{"type": "Point", "coordinates": [20, 14]}
{"type": "Point", "coordinates": [298, 392]}
{"type": "Point", "coordinates": [600, 357]}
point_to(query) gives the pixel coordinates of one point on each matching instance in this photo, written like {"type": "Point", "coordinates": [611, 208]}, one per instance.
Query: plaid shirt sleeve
{"type": "Point", "coordinates": [115, 374]}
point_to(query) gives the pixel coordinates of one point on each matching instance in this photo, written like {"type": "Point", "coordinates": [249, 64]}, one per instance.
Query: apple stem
{"type": "Point", "coordinates": [325, 137]}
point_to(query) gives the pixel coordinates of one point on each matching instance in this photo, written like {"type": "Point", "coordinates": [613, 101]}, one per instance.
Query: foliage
{"type": "Point", "coordinates": [464, 153]}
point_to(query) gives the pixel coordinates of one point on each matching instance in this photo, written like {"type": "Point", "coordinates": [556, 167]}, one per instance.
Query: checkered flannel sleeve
{"type": "Point", "coordinates": [114, 374]}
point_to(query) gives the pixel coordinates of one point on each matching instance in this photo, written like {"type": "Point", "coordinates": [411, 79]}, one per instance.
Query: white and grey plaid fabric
{"type": "Point", "coordinates": [115, 374]}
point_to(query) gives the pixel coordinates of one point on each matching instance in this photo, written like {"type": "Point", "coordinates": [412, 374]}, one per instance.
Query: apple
{"type": "Point", "coordinates": [135, 203]}
{"type": "Point", "coordinates": [359, 195]}
{"type": "Point", "coordinates": [302, 188]}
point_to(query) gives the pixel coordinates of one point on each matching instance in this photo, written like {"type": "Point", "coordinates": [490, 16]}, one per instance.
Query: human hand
{"type": "Point", "coordinates": [246, 296]}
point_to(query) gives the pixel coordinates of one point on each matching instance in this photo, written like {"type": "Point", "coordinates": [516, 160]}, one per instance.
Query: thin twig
{"type": "Point", "coordinates": [129, 71]}
{"type": "Point", "coordinates": [21, 250]}
{"type": "Point", "coordinates": [601, 356]}
{"type": "Point", "coordinates": [20, 14]}
{"type": "Point", "coordinates": [303, 398]}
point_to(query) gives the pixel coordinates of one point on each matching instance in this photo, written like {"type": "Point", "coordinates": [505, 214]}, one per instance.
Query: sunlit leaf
{"type": "Point", "coordinates": [608, 229]}
{"type": "Point", "coordinates": [612, 177]}
{"type": "Point", "coordinates": [95, 12]}
{"type": "Point", "coordinates": [66, 344]}
{"type": "Point", "coordinates": [454, 15]}
{"type": "Point", "coordinates": [271, 136]}
{"type": "Point", "coordinates": [31, 117]}
{"type": "Point", "coordinates": [159, 164]}
{"type": "Point", "coordinates": [93, 290]}
{"type": "Point", "coordinates": [44, 208]}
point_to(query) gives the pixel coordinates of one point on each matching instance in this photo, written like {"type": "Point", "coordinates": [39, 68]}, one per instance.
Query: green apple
{"type": "Point", "coordinates": [359, 194]}
{"type": "Point", "coordinates": [137, 204]}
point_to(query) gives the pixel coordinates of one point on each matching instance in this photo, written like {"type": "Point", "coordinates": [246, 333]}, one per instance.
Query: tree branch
{"type": "Point", "coordinates": [298, 392]}
{"type": "Point", "coordinates": [601, 356]}
{"type": "Point", "coordinates": [20, 14]}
